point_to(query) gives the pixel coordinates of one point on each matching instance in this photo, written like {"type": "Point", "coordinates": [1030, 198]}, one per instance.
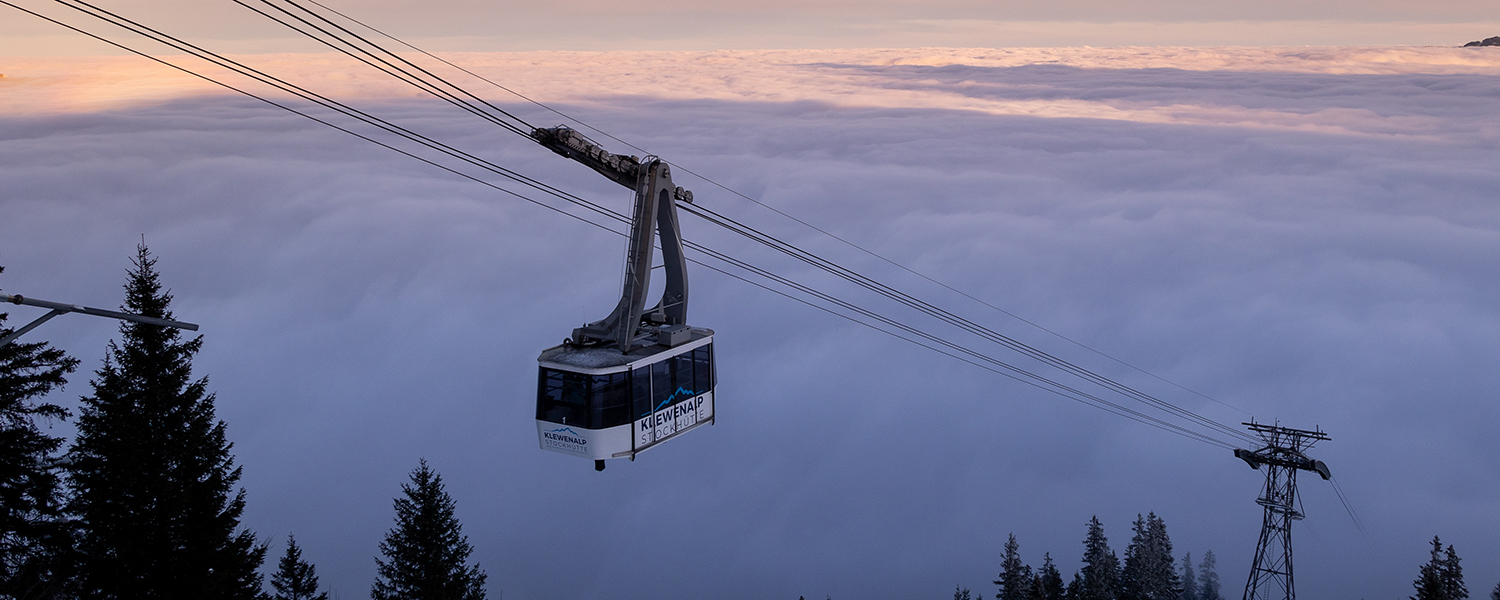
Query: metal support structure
{"type": "Point", "coordinates": [1271, 576]}
{"type": "Point", "coordinates": [655, 209]}
{"type": "Point", "coordinates": [59, 308]}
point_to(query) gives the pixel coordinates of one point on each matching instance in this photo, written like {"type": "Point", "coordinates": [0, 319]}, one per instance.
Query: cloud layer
{"type": "Point", "coordinates": [1303, 234]}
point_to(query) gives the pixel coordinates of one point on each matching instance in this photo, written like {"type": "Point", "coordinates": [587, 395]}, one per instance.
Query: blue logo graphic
{"type": "Point", "coordinates": [568, 430]}
{"type": "Point", "coordinates": [674, 396]}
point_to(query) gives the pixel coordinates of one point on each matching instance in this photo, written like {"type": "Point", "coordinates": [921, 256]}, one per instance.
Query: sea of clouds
{"type": "Point", "coordinates": [1304, 234]}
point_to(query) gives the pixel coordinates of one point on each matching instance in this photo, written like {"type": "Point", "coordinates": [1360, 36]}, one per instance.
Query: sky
{"type": "Point", "coordinates": [1300, 233]}
{"type": "Point", "coordinates": [475, 25]}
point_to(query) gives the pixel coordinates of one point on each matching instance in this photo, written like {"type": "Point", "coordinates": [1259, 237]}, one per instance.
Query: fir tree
{"type": "Point", "coordinates": [1015, 577]}
{"type": "Point", "coordinates": [1495, 595]}
{"type": "Point", "coordinates": [1149, 572]}
{"type": "Point", "coordinates": [34, 538]}
{"type": "Point", "coordinates": [1442, 578]}
{"type": "Point", "coordinates": [1429, 582]}
{"type": "Point", "coordinates": [152, 477]}
{"type": "Point", "coordinates": [1208, 578]}
{"type": "Point", "coordinates": [1189, 582]}
{"type": "Point", "coordinates": [958, 593]}
{"type": "Point", "coordinates": [295, 579]}
{"type": "Point", "coordinates": [426, 554]}
{"type": "Point", "coordinates": [1453, 576]}
{"type": "Point", "coordinates": [1099, 578]}
{"type": "Point", "coordinates": [1050, 580]}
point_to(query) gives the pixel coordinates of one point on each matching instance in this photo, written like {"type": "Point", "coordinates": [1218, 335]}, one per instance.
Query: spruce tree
{"type": "Point", "coordinates": [960, 593]}
{"type": "Point", "coordinates": [152, 478]}
{"type": "Point", "coordinates": [1429, 582]}
{"type": "Point", "coordinates": [295, 579]}
{"type": "Point", "coordinates": [1453, 576]}
{"type": "Point", "coordinates": [1208, 578]}
{"type": "Point", "coordinates": [1150, 572]}
{"type": "Point", "coordinates": [1189, 582]}
{"type": "Point", "coordinates": [34, 539]}
{"type": "Point", "coordinates": [1495, 595]}
{"type": "Point", "coordinates": [426, 553]}
{"type": "Point", "coordinates": [1015, 577]}
{"type": "Point", "coordinates": [1050, 579]}
{"type": "Point", "coordinates": [1132, 572]}
{"type": "Point", "coordinates": [1099, 578]}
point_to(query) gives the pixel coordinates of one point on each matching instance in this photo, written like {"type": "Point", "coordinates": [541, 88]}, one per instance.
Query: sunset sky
{"type": "Point", "coordinates": [721, 24]}
{"type": "Point", "coordinates": [1302, 233]}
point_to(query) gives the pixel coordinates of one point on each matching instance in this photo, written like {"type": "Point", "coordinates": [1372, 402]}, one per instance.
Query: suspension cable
{"type": "Point", "coordinates": [773, 209]}
{"type": "Point", "coordinates": [876, 286]}
{"type": "Point", "coordinates": [1015, 372]}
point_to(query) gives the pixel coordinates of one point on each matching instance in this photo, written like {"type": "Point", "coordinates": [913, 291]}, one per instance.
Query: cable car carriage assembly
{"type": "Point", "coordinates": [639, 376]}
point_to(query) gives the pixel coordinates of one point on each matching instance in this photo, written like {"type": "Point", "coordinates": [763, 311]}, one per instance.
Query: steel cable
{"type": "Point", "coordinates": [1038, 381]}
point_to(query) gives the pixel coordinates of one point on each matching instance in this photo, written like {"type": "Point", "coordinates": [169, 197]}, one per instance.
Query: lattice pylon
{"type": "Point", "coordinates": [1271, 576]}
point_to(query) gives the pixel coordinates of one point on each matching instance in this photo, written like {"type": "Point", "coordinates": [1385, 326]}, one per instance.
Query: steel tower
{"type": "Point", "coordinates": [1283, 455]}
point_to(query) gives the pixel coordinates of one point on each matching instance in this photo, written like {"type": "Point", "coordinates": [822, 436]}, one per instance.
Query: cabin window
{"type": "Point", "coordinates": [611, 400]}
{"type": "Point", "coordinates": [661, 384]}
{"type": "Point", "coordinates": [682, 378]}
{"type": "Point", "coordinates": [703, 368]}
{"type": "Point", "coordinates": [640, 392]}
{"type": "Point", "coordinates": [591, 402]}
{"type": "Point", "coordinates": [563, 398]}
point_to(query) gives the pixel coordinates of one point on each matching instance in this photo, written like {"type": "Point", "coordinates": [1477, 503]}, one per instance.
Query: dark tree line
{"type": "Point", "coordinates": [1148, 572]}
{"type": "Point", "coordinates": [145, 502]}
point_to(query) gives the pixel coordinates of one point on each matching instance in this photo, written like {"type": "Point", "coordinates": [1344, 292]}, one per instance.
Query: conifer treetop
{"type": "Point", "coordinates": [295, 579]}
{"type": "Point", "coordinates": [1208, 578]}
{"type": "Point", "coordinates": [154, 482]}
{"type": "Point", "coordinates": [426, 553]}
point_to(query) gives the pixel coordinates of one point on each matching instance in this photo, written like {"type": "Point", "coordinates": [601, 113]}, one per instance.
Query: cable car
{"type": "Point", "coordinates": [639, 376]}
{"type": "Point", "coordinates": [600, 403]}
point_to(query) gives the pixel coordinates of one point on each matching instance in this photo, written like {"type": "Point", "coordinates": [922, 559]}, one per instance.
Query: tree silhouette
{"type": "Point", "coordinates": [34, 537]}
{"type": "Point", "coordinates": [1015, 577]}
{"type": "Point", "coordinates": [1189, 582]}
{"type": "Point", "coordinates": [295, 579]}
{"type": "Point", "coordinates": [1149, 573]}
{"type": "Point", "coordinates": [1099, 577]}
{"type": "Point", "coordinates": [426, 553]}
{"type": "Point", "coordinates": [1208, 578]}
{"type": "Point", "coordinates": [1049, 580]}
{"type": "Point", "coordinates": [152, 477]}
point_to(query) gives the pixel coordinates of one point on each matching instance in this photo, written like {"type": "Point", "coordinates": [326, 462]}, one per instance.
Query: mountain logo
{"type": "Point", "coordinates": [673, 398]}
{"type": "Point", "coordinates": [565, 436]}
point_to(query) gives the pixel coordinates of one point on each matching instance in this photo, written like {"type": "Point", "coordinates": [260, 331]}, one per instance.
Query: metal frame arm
{"type": "Point", "coordinates": [59, 308]}
{"type": "Point", "coordinates": [653, 217]}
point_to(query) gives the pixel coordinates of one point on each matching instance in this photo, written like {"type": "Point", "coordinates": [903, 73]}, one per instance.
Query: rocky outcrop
{"type": "Point", "coordinates": [1494, 41]}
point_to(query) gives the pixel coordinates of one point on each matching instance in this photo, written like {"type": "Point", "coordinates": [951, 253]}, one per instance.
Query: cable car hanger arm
{"type": "Point", "coordinates": [655, 208]}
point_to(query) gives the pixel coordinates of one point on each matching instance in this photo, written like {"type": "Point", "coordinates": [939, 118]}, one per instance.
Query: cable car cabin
{"type": "Point", "coordinates": [594, 402]}
{"type": "Point", "coordinates": [641, 375]}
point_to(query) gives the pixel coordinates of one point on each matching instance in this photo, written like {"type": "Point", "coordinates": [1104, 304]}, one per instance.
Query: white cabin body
{"type": "Point", "coordinates": [594, 402]}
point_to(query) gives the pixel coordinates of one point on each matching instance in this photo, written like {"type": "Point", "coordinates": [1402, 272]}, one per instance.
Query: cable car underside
{"type": "Point", "coordinates": [639, 376]}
